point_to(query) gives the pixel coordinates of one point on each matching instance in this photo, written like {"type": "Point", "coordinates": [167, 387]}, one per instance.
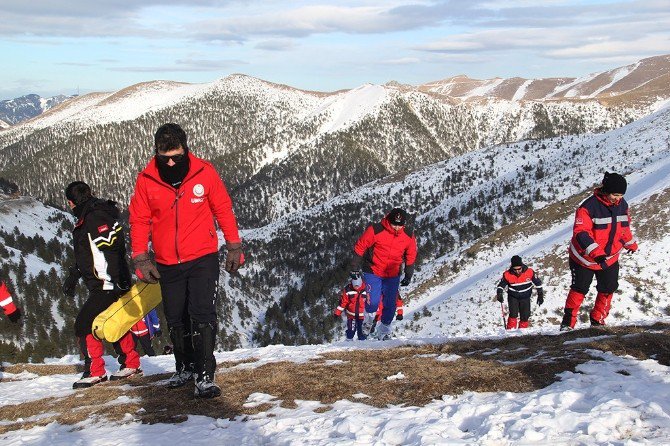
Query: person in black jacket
{"type": "Point", "coordinates": [519, 280]}
{"type": "Point", "coordinates": [100, 256]}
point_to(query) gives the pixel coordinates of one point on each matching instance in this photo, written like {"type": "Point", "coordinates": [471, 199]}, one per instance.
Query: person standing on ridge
{"type": "Point", "coordinates": [519, 280]}
{"type": "Point", "coordinates": [177, 197]}
{"type": "Point", "coordinates": [100, 259]}
{"type": "Point", "coordinates": [381, 250]}
{"type": "Point", "coordinates": [601, 230]}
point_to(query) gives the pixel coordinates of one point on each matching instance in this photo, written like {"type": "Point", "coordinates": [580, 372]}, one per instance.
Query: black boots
{"type": "Point", "coordinates": [183, 355]}
{"type": "Point", "coordinates": [204, 339]}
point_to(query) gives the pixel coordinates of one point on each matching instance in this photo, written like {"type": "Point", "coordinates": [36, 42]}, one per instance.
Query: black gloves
{"type": "Point", "coordinates": [234, 257]}
{"type": "Point", "coordinates": [158, 333]}
{"type": "Point", "coordinates": [15, 316]}
{"type": "Point", "coordinates": [336, 317]}
{"type": "Point", "coordinates": [398, 317]}
{"type": "Point", "coordinates": [70, 283]}
{"type": "Point", "coordinates": [540, 297]}
{"type": "Point", "coordinates": [145, 270]}
{"type": "Point", "coordinates": [499, 296]}
{"type": "Point", "coordinates": [409, 272]}
{"type": "Point", "coordinates": [602, 261]}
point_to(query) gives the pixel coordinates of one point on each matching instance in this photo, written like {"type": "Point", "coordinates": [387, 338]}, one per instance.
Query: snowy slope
{"type": "Point", "coordinates": [609, 399]}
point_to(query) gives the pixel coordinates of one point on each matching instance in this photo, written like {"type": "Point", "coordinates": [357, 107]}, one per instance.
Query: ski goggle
{"type": "Point", "coordinates": [355, 275]}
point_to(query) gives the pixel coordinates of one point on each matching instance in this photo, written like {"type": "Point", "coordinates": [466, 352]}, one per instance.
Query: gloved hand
{"type": "Point", "coordinates": [336, 317]}
{"type": "Point", "coordinates": [158, 333]}
{"type": "Point", "coordinates": [398, 317]}
{"type": "Point", "coordinates": [145, 270]}
{"type": "Point", "coordinates": [540, 298]}
{"type": "Point", "coordinates": [602, 261]}
{"type": "Point", "coordinates": [234, 257]}
{"type": "Point", "coordinates": [70, 283]}
{"type": "Point", "coordinates": [15, 316]}
{"type": "Point", "coordinates": [499, 296]}
{"type": "Point", "coordinates": [409, 272]}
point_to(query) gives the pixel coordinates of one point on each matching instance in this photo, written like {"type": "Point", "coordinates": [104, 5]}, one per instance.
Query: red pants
{"type": "Point", "coordinates": [92, 350]}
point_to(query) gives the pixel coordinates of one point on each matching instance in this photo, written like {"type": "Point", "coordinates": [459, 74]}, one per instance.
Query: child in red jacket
{"type": "Point", "coordinates": [353, 300]}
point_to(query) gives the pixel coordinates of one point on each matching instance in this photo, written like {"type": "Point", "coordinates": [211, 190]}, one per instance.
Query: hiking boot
{"type": "Point", "coordinates": [180, 378]}
{"type": "Point", "coordinates": [383, 332]}
{"type": "Point", "coordinates": [124, 372]}
{"type": "Point", "coordinates": [565, 328]}
{"type": "Point", "coordinates": [206, 388]}
{"type": "Point", "coordinates": [88, 381]}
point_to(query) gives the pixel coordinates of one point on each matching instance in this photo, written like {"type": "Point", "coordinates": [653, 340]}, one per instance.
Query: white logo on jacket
{"type": "Point", "coordinates": [198, 190]}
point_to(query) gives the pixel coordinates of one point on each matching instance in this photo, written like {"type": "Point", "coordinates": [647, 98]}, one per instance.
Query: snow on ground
{"type": "Point", "coordinates": [615, 400]}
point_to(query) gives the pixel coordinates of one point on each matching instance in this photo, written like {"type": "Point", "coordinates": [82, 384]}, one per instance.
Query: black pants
{"type": "Point", "coordinates": [97, 302]}
{"type": "Point", "coordinates": [519, 307]}
{"type": "Point", "coordinates": [145, 342]}
{"type": "Point", "coordinates": [607, 280]}
{"type": "Point", "coordinates": [189, 291]}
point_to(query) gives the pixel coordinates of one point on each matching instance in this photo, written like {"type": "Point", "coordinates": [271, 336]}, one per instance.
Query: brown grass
{"type": "Point", "coordinates": [517, 364]}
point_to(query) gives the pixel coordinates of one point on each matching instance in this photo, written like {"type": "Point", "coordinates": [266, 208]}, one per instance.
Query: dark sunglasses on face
{"type": "Point", "coordinates": [166, 158]}
{"type": "Point", "coordinates": [355, 275]}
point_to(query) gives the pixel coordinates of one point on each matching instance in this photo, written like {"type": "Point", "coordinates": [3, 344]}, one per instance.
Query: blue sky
{"type": "Point", "coordinates": [52, 47]}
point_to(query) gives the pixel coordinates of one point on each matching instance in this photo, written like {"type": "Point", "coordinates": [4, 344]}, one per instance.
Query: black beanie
{"type": "Point", "coordinates": [397, 217]}
{"type": "Point", "coordinates": [516, 261]}
{"type": "Point", "coordinates": [613, 183]}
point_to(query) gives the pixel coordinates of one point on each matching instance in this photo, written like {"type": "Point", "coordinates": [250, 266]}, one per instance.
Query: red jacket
{"type": "Point", "coordinates": [353, 301]}
{"type": "Point", "coordinates": [398, 307]}
{"type": "Point", "coordinates": [180, 221]}
{"type": "Point", "coordinates": [601, 228]}
{"type": "Point", "coordinates": [384, 249]}
{"type": "Point", "coordinates": [6, 301]}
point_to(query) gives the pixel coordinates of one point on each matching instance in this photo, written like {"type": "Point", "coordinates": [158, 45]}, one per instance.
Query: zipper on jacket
{"type": "Point", "coordinates": [175, 205]}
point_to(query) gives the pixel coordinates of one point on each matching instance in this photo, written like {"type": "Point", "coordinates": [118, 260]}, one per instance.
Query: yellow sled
{"type": "Point", "coordinates": [116, 320]}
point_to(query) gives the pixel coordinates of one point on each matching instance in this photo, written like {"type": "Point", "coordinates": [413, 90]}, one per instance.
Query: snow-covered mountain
{"type": "Point", "coordinates": [13, 111]}
{"type": "Point", "coordinates": [309, 170]}
{"type": "Point", "coordinates": [640, 82]}
{"type": "Point", "coordinates": [282, 149]}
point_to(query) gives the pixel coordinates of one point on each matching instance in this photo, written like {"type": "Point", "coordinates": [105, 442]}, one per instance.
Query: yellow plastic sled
{"type": "Point", "coordinates": [116, 320]}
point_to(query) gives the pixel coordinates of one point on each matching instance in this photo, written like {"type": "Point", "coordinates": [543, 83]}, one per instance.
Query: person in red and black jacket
{"type": "Point", "coordinates": [100, 259]}
{"type": "Point", "coordinates": [177, 197]}
{"type": "Point", "coordinates": [519, 280]}
{"type": "Point", "coordinates": [381, 250]}
{"type": "Point", "coordinates": [353, 300]}
{"type": "Point", "coordinates": [10, 309]}
{"type": "Point", "coordinates": [602, 229]}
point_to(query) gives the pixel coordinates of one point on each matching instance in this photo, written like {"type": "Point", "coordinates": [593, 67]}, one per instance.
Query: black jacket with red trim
{"type": "Point", "coordinates": [99, 246]}
{"type": "Point", "coordinates": [520, 285]}
{"type": "Point", "coordinates": [601, 228]}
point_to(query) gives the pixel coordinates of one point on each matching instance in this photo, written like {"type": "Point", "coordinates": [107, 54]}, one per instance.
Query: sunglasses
{"type": "Point", "coordinates": [355, 275]}
{"type": "Point", "coordinates": [166, 158]}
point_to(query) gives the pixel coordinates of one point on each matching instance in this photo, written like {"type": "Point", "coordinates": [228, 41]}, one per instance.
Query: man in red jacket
{"type": "Point", "coordinates": [176, 200]}
{"type": "Point", "coordinates": [601, 230]}
{"type": "Point", "coordinates": [382, 249]}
